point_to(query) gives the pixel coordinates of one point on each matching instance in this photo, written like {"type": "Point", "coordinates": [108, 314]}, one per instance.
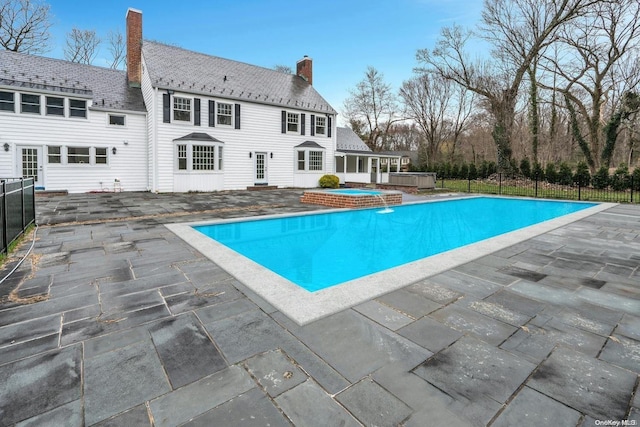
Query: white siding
{"type": "Point", "coordinates": [128, 164]}
{"type": "Point", "coordinates": [260, 131]}
{"type": "Point", "coordinates": [148, 94]}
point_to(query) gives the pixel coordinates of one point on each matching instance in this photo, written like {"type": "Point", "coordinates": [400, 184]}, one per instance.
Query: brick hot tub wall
{"type": "Point", "coordinates": [337, 200]}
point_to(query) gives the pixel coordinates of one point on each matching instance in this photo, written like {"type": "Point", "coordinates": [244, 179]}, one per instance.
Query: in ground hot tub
{"type": "Point", "coordinates": [352, 198]}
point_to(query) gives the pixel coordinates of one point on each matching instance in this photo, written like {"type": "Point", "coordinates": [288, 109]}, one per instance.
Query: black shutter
{"type": "Point", "coordinates": [212, 113]}
{"type": "Point", "coordinates": [302, 124]}
{"type": "Point", "coordinates": [196, 111]}
{"type": "Point", "coordinates": [284, 121]}
{"type": "Point", "coordinates": [166, 108]}
{"type": "Point", "coordinates": [237, 116]}
{"type": "Point", "coordinates": [313, 125]}
{"type": "Point", "coordinates": [329, 127]}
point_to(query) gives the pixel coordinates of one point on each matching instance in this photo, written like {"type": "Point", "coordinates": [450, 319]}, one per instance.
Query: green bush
{"type": "Point", "coordinates": [525, 168]}
{"type": "Point", "coordinates": [565, 175]}
{"type": "Point", "coordinates": [464, 171]}
{"type": "Point", "coordinates": [329, 181]}
{"type": "Point", "coordinates": [600, 180]}
{"type": "Point", "coordinates": [582, 176]}
{"type": "Point", "coordinates": [636, 178]}
{"type": "Point", "coordinates": [537, 172]}
{"type": "Point", "coordinates": [473, 172]}
{"type": "Point", "coordinates": [550, 173]}
{"type": "Point", "coordinates": [620, 178]}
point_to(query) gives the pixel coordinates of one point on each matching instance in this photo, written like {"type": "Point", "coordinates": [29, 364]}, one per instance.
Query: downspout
{"type": "Point", "coordinates": [154, 142]}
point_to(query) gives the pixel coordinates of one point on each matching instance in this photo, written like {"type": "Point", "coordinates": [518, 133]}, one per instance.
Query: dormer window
{"type": "Point", "coordinates": [77, 108]}
{"type": "Point", "coordinates": [181, 109]}
{"type": "Point", "coordinates": [7, 101]}
{"type": "Point", "coordinates": [55, 106]}
{"type": "Point", "coordinates": [30, 103]}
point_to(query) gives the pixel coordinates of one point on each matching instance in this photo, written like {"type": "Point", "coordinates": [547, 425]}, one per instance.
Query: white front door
{"type": "Point", "coordinates": [31, 165]}
{"type": "Point", "coordinates": [261, 169]}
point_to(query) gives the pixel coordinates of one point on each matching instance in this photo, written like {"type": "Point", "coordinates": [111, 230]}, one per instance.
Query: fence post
{"type": "Point", "coordinates": [4, 217]}
{"type": "Point", "coordinates": [468, 184]}
{"type": "Point", "coordinates": [579, 188]}
{"type": "Point", "coordinates": [536, 191]}
{"type": "Point", "coordinates": [500, 183]}
{"type": "Point", "coordinates": [631, 188]}
{"type": "Point", "coordinates": [22, 203]}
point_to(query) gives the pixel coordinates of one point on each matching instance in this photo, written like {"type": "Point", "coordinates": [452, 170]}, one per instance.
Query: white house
{"type": "Point", "coordinates": [176, 121]}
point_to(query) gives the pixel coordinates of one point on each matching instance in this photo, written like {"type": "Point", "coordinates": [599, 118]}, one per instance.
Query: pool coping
{"type": "Point", "coordinates": [304, 307]}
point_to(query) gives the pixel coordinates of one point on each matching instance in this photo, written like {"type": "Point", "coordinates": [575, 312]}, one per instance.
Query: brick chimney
{"type": "Point", "coordinates": [134, 47]}
{"type": "Point", "coordinates": [304, 69]}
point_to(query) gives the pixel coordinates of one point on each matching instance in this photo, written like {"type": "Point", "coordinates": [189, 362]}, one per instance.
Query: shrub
{"type": "Point", "coordinates": [473, 172]}
{"type": "Point", "coordinates": [329, 181]}
{"type": "Point", "coordinates": [464, 171]}
{"type": "Point", "coordinates": [600, 179]}
{"type": "Point", "coordinates": [525, 168]}
{"type": "Point", "coordinates": [537, 172]}
{"type": "Point", "coordinates": [455, 171]}
{"type": "Point", "coordinates": [636, 178]}
{"type": "Point", "coordinates": [620, 179]}
{"type": "Point", "coordinates": [582, 176]}
{"type": "Point", "coordinates": [550, 173]}
{"type": "Point", "coordinates": [565, 175]}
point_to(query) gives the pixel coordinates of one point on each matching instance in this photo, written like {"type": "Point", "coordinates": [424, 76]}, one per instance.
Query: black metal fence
{"type": "Point", "coordinates": [17, 208]}
{"type": "Point", "coordinates": [530, 187]}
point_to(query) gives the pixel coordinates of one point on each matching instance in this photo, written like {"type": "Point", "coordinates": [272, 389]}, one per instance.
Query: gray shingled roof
{"type": "Point", "coordinates": [347, 140]}
{"type": "Point", "coordinates": [108, 88]}
{"type": "Point", "coordinates": [182, 70]}
{"type": "Point", "coordinates": [198, 136]}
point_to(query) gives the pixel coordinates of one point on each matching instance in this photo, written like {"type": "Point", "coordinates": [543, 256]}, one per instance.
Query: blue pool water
{"type": "Point", "coordinates": [355, 192]}
{"type": "Point", "coordinates": [321, 250]}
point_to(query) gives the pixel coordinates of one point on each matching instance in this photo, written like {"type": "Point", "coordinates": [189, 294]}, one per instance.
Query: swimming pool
{"type": "Point", "coordinates": [368, 253]}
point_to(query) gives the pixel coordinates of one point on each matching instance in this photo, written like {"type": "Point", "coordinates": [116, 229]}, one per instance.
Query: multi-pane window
{"type": "Point", "coordinates": [182, 109]}
{"type": "Point", "coordinates": [321, 125]}
{"type": "Point", "coordinates": [30, 103]}
{"type": "Point", "coordinates": [301, 160]}
{"type": "Point", "coordinates": [225, 114]}
{"type": "Point", "coordinates": [116, 120]}
{"type": "Point", "coordinates": [78, 155]}
{"type": "Point", "coordinates": [220, 157]}
{"type": "Point", "coordinates": [55, 106]}
{"type": "Point", "coordinates": [54, 154]}
{"type": "Point", "coordinates": [101, 156]}
{"type": "Point", "coordinates": [203, 158]}
{"type": "Point", "coordinates": [182, 157]}
{"type": "Point", "coordinates": [7, 102]}
{"type": "Point", "coordinates": [315, 160]}
{"type": "Point", "coordinates": [77, 108]}
{"type": "Point", "coordinates": [293, 120]}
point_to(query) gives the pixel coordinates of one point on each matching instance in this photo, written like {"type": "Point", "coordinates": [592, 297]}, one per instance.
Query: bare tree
{"type": "Point", "coordinates": [517, 31]}
{"type": "Point", "coordinates": [24, 26]}
{"type": "Point", "coordinates": [595, 47]}
{"type": "Point", "coordinates": [118, 49]}
{"type": "Point", "coordinates": [283, 69]}
{"type": "Point", "coordinates": [81, 46]}
{"type": "Point", "coordinates": [372, 104]}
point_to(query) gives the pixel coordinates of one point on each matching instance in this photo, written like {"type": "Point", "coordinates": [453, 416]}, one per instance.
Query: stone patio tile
{"type": "Point", "coordinates": [252, 408]}
{"type": "Point", "coordinates": [409, 303]}
{"type": "Point", "coordinates": [68, 415]}
{"type": "Point", "coordinates": [373, 405]}
{"type": "Point", "coordinates": [516, 302]}
{"type": "Point", "coordinates": [308, 405]}
{"type": "Point", "coordinates": [24, 349]}
{"type": "Point", "coordinates": [623, 352]}
{"type": "Point", "coordinates": [186, 352]}
{"type": "Point", "coordinates": [591, 386]}
{"type": "Point", "coordinates": [275, 372]}
{"type": "Point", "coordinates": [608, 300]}
{"type": "Point", "coordinates": [471, 368]}
{"type": "Point", "coordinates": [485, 328]}
{"type": "Point", "coordinates": [81, 313]}
{"type": "Point", "coordinates": [532, 408]}
{"type": "Point", "coordinates": [45, 308]}
{"type": "Point", "coordinates": [246, 334]}
{"type": "Point", "coordinates": [18, 332]}
{"type": "Point", "coordinates": [386, 316]}
{"type": "Point", "coordinates": [490, 273]}
{"type": "Point", "coordinates": [466, 284]}
{"type": "Point", "coordinates": [121, 379]}
{"type": "Point", "coordinates": [568, 282]}
{"type": "Point", "coordinates": [355, 346]}
{"type": "Point", "coordinates": [223, 310]}
{"type": "Point", "coordinates": [195, 399]}
{"type": "Point", "coordinates": [202, 297]}
{"type": "Point", "coordinates": [629, 326]}
{"type": "Point", "coordinates": [142, 284]}
{"type": "Point", "coordinates": [581, 319]}
{"type": "Point", "coordinates": [111, 303]}
{"type": "Point", "coordinates": [522, 273]}
{"type": "Point", "coordinates": [434, 292]}
{"type": "Point", "coordinates": [40, 383]}
{"type": "Point", "coordinates": [430, 334]}
{"type": "Point", "coordinates": [535, 343]}
{"type": "Point", "coordinates": [116, 340]}
{"type": "Point", "coordinates": [180, 288]}
{"type": "Point", "coordinates": [138, 417]}
{"type": "Point", "coordinates": [496, 311]}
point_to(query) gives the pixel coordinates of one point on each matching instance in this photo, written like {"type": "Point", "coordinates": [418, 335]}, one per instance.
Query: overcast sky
{"type": "Point", "coordinates": [342, 37]}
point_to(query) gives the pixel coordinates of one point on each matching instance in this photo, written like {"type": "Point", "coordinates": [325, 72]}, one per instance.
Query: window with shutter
{"type": "Point", "coordinates": [196, 111]}
{"type": "Point", "coordinates": [212, 113]}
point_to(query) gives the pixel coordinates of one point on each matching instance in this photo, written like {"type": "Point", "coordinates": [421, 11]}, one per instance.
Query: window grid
{"type": "Point", "coordinates": [116, 120]}
{"type": "Point", "coordinates": [7, 102]}
{"type": "Point", "coordinates": [78, 155]}
{"type": "Point", "coordinates": [77, 108]}
{"type": "Point", "coordinates": [182, 109]}
{"type": "Point", "coordinates": [30, 103]}
{"type": "Point", "coordinates": [55, 106]}
{"type": "Point", "coordinates": [101, 156]}
{"type": "Point", "coordinates": [203, 157]}
{"type": "Point", "coordinates": [321, 125]}
{"type": "Point", "coordinates": [220, 157]}
{"type": "Point", "coordinates": [315, 160]}
{"type": "Point", "coordinates": [182, 157]}
{"type": "Point", "coordinates": [292, 122]}
{"type": "Point", "coordinates": [54, 154]}
{"type": "Point", "coordinates": [301, 160]}
{"type": "Point", "coordinates": [225, 114]}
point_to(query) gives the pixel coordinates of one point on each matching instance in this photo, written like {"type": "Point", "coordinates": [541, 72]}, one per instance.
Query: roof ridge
{"type": "Point", "coordinates": [71, 63]}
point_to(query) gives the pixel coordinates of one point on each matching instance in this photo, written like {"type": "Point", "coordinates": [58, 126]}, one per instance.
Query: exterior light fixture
{"type": "Point", "coordinates": [114, 150]}
{"type": "Point", "coordinates": [271, 155]}
{"type": "Point", "coordinates": [170, 92]}
{"type": "Point", "coordinates": [250, 154]}
{"type": "Point", "coordinates": [6, 146]}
